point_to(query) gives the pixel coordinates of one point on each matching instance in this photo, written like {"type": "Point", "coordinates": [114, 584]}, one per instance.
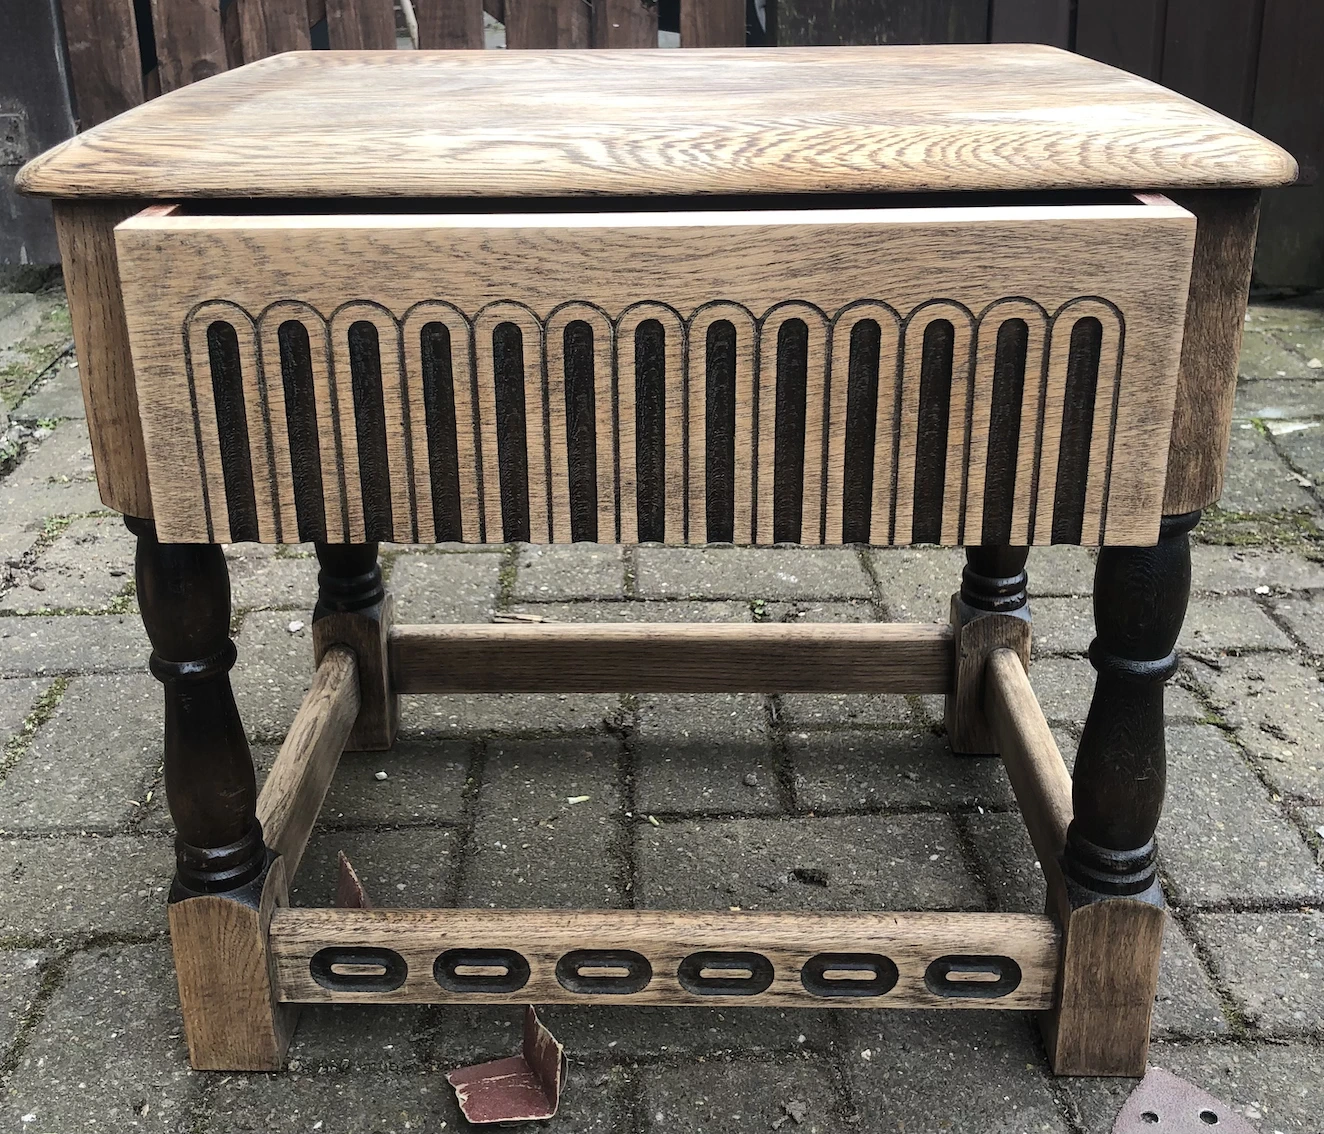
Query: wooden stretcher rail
{"type": "Point", "coordinates": [671, 658]}
{"type": "Point", "coordinates": [862, 960]}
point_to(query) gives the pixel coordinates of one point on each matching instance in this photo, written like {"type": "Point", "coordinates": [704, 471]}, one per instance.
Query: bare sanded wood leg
{"type": "Point", "coordinates": [226, 881]}
{"type": "Point", "coordinates": [991, 611]}
{"type": "Point", "coordinates": [1115, 913]}
{"type": "Point", "coordinates": [354, 609]}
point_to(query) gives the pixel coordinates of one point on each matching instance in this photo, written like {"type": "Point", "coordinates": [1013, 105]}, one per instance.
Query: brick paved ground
{"type": "Point", "coordinates": [777, 802]}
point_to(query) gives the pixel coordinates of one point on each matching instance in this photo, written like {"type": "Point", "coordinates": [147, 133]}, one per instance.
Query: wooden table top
{"type": "Point", "coordinates": [574, 123]}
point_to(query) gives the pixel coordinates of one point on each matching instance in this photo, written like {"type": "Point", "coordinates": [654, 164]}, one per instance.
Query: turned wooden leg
{"type": "Point", "coordinates": [226, 881]}
{"type": "Point", "coordinates": [990, 611]}
{"type": "Point", "coordinates": [1114, 917]}
{"type": "Point", "coordinates": [354, 610]}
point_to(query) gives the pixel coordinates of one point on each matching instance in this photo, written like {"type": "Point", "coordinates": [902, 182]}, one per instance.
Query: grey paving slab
{"type": "Point", "coordinates": [532, 846]}
{"type": "Point", "coordinates": [339, 1037]}
{"type": "Point", "coordinates": [835, 863]}
{"type": "Point", "coordinates": [705, 754]}
{"type": "Point", "coordinates": [636, 611]}
{"type": "Point", "coordinates": [949, 1071]}
{"type": "Point", "coordinates": [89, 765]}
{"type": "Point", "coordinates": [60, 396]}
{"type": "Point", "coordinates": [891, 769]}
{"type": "Point", "coordinates": [17, 696]}
{"type": "Point", "coordinates": [1064, 687]}
{"type": "Point", "coordinates": [407, 869]}
{"type": "Point", "coordinates": [1279, 399]}
{"type": "Point", "coordinates": [917, 584]}
{"type": "Point", "coordinates": [1212, 625]}
{"type": "Point", "coordinates": [1257, 480]}
{"type": "Point", "coordinates": [837, 710]}
{"type": "Point", "coordinates": [443, 715]}
{"type": "Point", "coordinates": [1224, 570]}
{"type": "Point", "coordinates": [1295, 313]}
{"type": "Point", "coordinates": [108, 1053]}
{"type": "Point", "coordinates": [446, 587]}
{"type": "Point", "coordinates": [1268, 353]}
{"type": "Point", "coordinates": [750, 573]}
{"type": "Point", "coordinates": [729, 1096]}
{"type": "Point", "coordinates": [560, 572]}
{"type": "Point", "coordinates": [1304, 617]}
{"type": "Point", "coordinates": [1276, 1087]}
{"type": "Point", "coordinates": [82, 886]}
{"type": "Point", "coordinates": [334, 1103]}
{"type": "Point", "coordinates": [272, 672]}
{"type": "Point", "coordinates": [20, 979]}
{"type": "Point", "coordinates": [1276, 704]}
{"type": "Point", "coordinates": [1305, 337]}
{"type": "Point", "coordinates": [89, 565]}
{"type": "Point", "coordinates": [1221, 839]}
{"type": "Point", "coordinates": [56, 478]}
{"type": "Point", "coordinates": [1304, 448]}
{"type": "Point", "coordinates": [424, 783]}
{"type": "Point", "coordinates": [15, 543]}
{"type": "Point", "coordinates": [1187, 1005]}
{"type": "Point", "coordinates": [1060, 570]}
{"type": "Point", "coordinates": [1272, 964]}
{"type": "Point", "coordinates": [72, 643]}
{"type": "Point", "coordinates": [273, 582]}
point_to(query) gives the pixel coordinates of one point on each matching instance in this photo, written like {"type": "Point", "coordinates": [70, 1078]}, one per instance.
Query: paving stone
{"type": "Point", "coordinates": [698, 752]}
{"type": "Point", "coordinates": [1006, 860]}
{"type": "Point", "coordinates": [75, 887]}
{"type": "Point", "coordinates": [1305, 337]}
{"type": "Point", "coordinates": [1223, 570]}
{"type": "Point", "coordinates": [1265, 354]}
{"type": "Point", "coordinates": [424, 784]}
{"type": "Point", "coordinates": [1220, 838]}
{"type": "Point", "coordinates": [54, 479]}
{"type": "Point", "coordinates": [1276, 704]}
{"type": "Point", "coordinates": [917, 584]}
{"type": "Point", "coordinates": [1278, 1088]}
{"type": "Point", "coordinates": [20, 979]}
{"type": "Point", "coordinates": [73, 643]}
{"type": "Point", "coordinates": [891, 769]}
{"type": "Point", "coordinates": [1272, 964]}
{"type": "Point", "coordinates": [409, 869]}
{"type": "Point", "coordinates": [89, 765]}
{"type": "Point", "coordinates": [1305, 450]}
{"type": "Point", "coordinates": [1279, 399]}
{"type": "Point", "coordinates": [17, 696]}
{"type": "Point", "coordinates": [15, 543]}
{"type": "Point", "coordinates": [442, 715]}
{"type": "Point", "coordinates": [88, 566]}
{"type": "Point", "coordinates": [272, 673]}
{"type": "Point", "coordinates": [1060, 570]}
{"type": "Point", "coordinates": [1296, 313]}
{"type": "Point", "coordinates": [721, 1096]}
{"type": "Point", "coordinates": [950, 1071]}
{"type": "Point", "coordinates": [273, 582]}
{"type": "Point", "coordinates": [569, 571]}
{"type": "Point", "coordinates": [835, 710]}
{"type": "Point", "coordinates": [437, 587]}
{"type": "Point", "coordinates": [750, 573]}
{"type": "Point", "coordinates": [531, 847]}
{"type": "Point", "coordinates": [634, 611]}
{"type": "Point", "coordinates": [108, 1053]}
{"type": "Point", "coordinates": [335, 1037]}
{"type": "Point", "coordinates": [1212, 625]}
{"type": "Point", "coordinates": [811, 611]}
{"type": "Point", "coordinates": [1305, 618]}
{"type": "Point", "coordinates": [1064, 687]}
{"type": "Point", "coordinates": [393, 1102]}
{"type": "Point", "coordinates": [835, 863]}
{"type": "Point", "coordinates": [1257, 480]}
{"type": "Point", "coordinates": [1186, 1005]}
{"type": "Point", "coordinates": [59, 397]}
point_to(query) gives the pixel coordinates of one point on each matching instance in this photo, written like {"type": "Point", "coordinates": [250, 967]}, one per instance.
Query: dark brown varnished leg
{"type": "Point", "coordinates": [354, 610]}
{"type": "Point", "coordinates": [1114, 920]}
{"type": "Point", "coordinates": [991, 611]}
{"type": "Point", "coordinates": [226, 881]}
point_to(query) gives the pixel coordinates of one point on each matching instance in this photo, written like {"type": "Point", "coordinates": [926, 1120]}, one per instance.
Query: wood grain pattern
{"type": "Point", "coordinates": [671, 658]}
{"type": "Point", "coordinates": [966, 269]}
{"type": "Point", "coordinates": [232, 1019]}
{"type": "Point", "coordinates": [450, 24]}
{"type": "Point", "coordinates": [292, 795]}
{"type": "Point", "coordinates": [912, 941]}
{"type": "Point", "coordinates": [863, 119]}
{"type": "Point", "coordinates": [1215, 318]}
{"type": "Point", "coordinates": [365, 634]}
{"type": "Point", "coordinates": [624, 23]}
{"type": "Point", "coordinates": [86, 232]}
{"type": "Point", "coordinates": [712, 23]}
{"type": "Point", "coordinates": [978, 638]}
{"type": "Point", "coordinates": [361, 25]}
{"type": "Point", "coordinates": [268, 27]}
{"type": "Point", "coordinates": [548, 24]}
{"type": "Point", "coordinates": [190, 42]}
{"type": "Point", "coordinates": [105, 67]}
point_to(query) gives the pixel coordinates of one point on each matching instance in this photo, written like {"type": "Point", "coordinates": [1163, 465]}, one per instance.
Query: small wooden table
{"type": "Point", "coordinates": [988, 297]}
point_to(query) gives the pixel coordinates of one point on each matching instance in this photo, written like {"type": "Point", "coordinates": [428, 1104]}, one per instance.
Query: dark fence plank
{"type": "Point", "coordinates": [354, 25]}
{"type": "Point", "coordinates": [449, 23]}
{"type": "Point", "coordinates": [624, 23]}
{"type": "Point", "coordinates": [105, 68]}
{"type": "Point", "coordinates": [548, 23]}
{"type": "Point", "coordinates": [1124, 33]}
{"type": "Point", "coordinates": [712, 23]}
{"type": "Point", "coordinates": [1211, 52]}
{"type": "Point", "coordinates": [267, 27]}
{"type": "Point", "coordinates": [1031, 21]}
{"type": "Point", "coordinates": [190, 41]}
{"type": "Point", "coordinates": [1289, 108]}
{"type": "Point", "coordinates": [811, 23]}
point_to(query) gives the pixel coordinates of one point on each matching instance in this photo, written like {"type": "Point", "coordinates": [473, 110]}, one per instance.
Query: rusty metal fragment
{"type": "Point", "coordinates": [1165, 1104]}
{"type": "Point", "coordinates": [520, 1088]}
{"type": "Point", "coordinates": [350, 894]}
